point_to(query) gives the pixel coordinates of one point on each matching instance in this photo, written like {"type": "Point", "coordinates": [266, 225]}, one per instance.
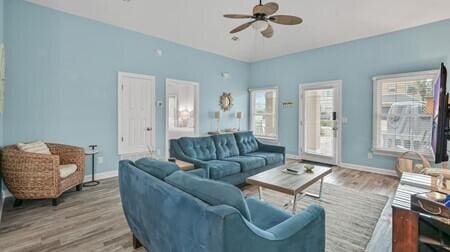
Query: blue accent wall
{"type": "Point", "coordinates": [62, 78]}
{"type": "Point", "coordinates": [355, 63]}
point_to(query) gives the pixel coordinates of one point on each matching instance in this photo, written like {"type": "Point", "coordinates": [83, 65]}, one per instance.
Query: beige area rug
{"type": "Point", "coordinates": [351, 216]}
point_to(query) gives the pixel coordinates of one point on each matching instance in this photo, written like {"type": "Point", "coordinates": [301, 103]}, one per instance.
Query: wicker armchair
{"type": "Point", "coordinates": [37, 176]}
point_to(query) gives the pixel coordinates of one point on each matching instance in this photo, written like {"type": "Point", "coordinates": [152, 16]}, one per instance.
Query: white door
{"type": "Point", "coordinates": [182, 110]}
{"type": "Point", "coordinates": [136, 113]}
{"type": "Point", "coordinates": [320, 121]}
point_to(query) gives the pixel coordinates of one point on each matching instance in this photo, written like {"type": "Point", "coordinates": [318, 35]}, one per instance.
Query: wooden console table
{"type": "Point", "coordinates": [405, 222]}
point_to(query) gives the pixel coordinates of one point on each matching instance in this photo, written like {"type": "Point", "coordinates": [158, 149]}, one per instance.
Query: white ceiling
{"type": "Point", "coordinates": [199, 23]}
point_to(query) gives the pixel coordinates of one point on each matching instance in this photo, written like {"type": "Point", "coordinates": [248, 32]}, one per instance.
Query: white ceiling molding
{"type": "Point", "coordinates": [199, 24]}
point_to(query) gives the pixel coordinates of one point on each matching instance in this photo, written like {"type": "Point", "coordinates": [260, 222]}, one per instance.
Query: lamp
{"type": "Point", "coordinates": [217, 117]}
{"type": "Point", "coordinates": [239, 116]}
{"type": "Point", "coordinates": [260, 25]}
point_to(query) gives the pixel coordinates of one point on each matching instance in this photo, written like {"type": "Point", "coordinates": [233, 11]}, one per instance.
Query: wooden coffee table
{"type": "Point", "coordinates": [292, 184]}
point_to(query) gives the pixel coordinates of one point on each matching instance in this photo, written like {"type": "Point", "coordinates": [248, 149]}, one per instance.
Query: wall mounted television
{"type": "Point", "coordinates": [440, 132]}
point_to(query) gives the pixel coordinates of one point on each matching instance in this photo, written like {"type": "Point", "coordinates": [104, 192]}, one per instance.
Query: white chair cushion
{"type": "Point", "coordinates": [34, 147]}
{"type": "Point", "coordinates": [67, 170]}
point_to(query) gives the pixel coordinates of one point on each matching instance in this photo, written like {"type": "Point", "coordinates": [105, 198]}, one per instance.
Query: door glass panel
{"type": "Point", "coordinates": [319, 135]}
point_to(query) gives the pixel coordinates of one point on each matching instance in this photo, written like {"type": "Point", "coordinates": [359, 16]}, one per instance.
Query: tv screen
{"type": "Point", "coordinates": [440, 117]}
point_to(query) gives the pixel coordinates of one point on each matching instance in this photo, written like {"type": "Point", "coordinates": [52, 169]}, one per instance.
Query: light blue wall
{"type": "Point", "coordinates": [62, 78]}
{"type": "Point", "coordinates": [355, 63]}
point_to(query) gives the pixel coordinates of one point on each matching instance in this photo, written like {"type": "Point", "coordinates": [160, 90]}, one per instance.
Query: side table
{"type": "Point", "coordinates": [93, 182]}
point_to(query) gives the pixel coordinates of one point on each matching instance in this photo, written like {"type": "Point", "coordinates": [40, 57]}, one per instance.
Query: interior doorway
{"type": "Point", "coordinates": [182, 114]}
{"type": "Point", "coordinates": [320, 122]}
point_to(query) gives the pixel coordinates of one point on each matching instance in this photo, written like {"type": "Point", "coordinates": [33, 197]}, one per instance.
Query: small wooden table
{"type": "Point", "coordinates": [186, 166]}
{"type": "Point", "coordinates": [292, 184]}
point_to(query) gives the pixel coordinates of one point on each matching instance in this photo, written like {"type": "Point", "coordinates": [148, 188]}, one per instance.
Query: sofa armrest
{"type": "Point", "coordinates": [198, 172]}
{"type": "Point", "coordinates": [273, 148]}
{"type": "Point", "coordinates": [266, 216]}
{"type": "Point", "coordinates": [176, 152]}
{"type": "Point", "coordinates": [310, 221]}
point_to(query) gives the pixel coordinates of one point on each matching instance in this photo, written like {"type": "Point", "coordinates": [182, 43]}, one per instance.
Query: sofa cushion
{"type": "Point", "coordinates": [210, 191]}
{"type": "Point", "coordinates": [247, 162]}
{"type": "Point", "coordinates": [226, 146]}
{"type": "Point", "coordinates": [67, 170]}
{"type": "Point", "coordinates": [157, 168]}
{"type": "Point", "coordinates": [271, 157]}
{"type": "Point", "coordinates": [219, 168]}
{"type": "Point", "coordinates": [201, 148]}
{"type": "Point", "coordinates": [246, 142]}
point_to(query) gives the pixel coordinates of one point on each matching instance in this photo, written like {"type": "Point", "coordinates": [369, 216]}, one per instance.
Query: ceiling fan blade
{"type": "Point", "coordinates": [268, 33]}
{"type": "Point", "coordinates": [237, 16]}
{"type": "Point", "coordinates": [242, 27]}
{"type": "Point", "coordinates": [271, 8]}
{"type": "Point", "coordinates": [267, 9]}
{"type": "Point", "coordinates": [286, 19]}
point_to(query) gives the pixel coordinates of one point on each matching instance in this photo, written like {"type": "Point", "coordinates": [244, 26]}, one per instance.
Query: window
{"type": "Point", "coordinates": [402, 112]}
{"type": "Point", "coordinates": [264, 113]}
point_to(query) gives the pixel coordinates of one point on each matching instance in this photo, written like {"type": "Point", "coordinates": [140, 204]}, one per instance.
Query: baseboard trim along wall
{"type": "Point", "coordinates": [102, 175]}
{"type": "Point", "coordinates": [369, 169]}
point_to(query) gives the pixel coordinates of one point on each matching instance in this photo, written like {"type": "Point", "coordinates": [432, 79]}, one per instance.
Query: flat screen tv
{"type": "Point", "coordinates": [440, 132]}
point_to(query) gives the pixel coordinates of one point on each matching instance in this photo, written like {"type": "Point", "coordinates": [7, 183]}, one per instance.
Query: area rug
{"type": "Point", "coordinates": [351, 216]}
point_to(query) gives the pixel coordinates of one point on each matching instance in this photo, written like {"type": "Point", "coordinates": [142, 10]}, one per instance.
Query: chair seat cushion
{"type": "Point", "coordinates": [248, 162]}
{"type": "Point", "coordinates": [157, 168]}
{"type": "Point", "coordinates": [270, 157]}
{"type": "Point", "coordinates": [67, 170]}
{"type": "Point", "coordinates": [210, 191]}
{"type": "Point", "coordinates": [219, 168]}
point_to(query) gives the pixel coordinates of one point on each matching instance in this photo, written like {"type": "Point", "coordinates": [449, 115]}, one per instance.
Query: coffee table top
{"type": "Point", "coordinates": [284, 182]}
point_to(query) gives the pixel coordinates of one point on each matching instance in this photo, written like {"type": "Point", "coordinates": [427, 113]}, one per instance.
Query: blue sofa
{"type": "Point", "coordinates": [228, 157]}
{"type": "Point", "coordinates": [171, 210]}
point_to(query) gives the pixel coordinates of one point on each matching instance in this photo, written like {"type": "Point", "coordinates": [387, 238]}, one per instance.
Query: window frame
{"type": "Point", "coordinates": [376, 81]}
{"type": "Point", "coordinates": [276, 112]}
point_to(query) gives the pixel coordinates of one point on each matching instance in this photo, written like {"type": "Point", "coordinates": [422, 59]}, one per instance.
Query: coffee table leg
{"type": "Point", "coordinates": [260, 192]}
{"type": "Point", "coordinates": [294, 204]}
{"type": "Point", "coordinates": [320, 190]}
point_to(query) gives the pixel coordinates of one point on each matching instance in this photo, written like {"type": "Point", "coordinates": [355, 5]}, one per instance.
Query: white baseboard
{"type": "Point", "coordinates": [292, 156]}
{"type": "Point", "coordinates": [369, 169]}
{"type": "Point", "coordinates": [102, 175]}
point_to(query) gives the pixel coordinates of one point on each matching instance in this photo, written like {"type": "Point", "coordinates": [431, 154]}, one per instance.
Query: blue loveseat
{"type": "Point", "coordinates": [228, 157]}
{"type": "Point", "coordinates": [171, 210]}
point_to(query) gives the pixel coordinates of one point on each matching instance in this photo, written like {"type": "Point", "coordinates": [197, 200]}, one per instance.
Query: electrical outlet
{"type": "Point", "coordinates": [100, 160]}
{"type": "Point", "coordinates": [369, 155]}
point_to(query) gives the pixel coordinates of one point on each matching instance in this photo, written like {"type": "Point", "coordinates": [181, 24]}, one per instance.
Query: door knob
{"type": "Point", "coordinates": [148, 129]}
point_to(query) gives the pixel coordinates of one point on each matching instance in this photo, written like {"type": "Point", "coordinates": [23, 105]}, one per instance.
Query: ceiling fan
{"type": "Point", "coordinates": [261, 17]}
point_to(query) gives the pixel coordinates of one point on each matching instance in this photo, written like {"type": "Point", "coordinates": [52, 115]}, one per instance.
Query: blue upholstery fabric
{"type": "Point", "coordinates": [271, 158]}
{"type": "Point", "coordinates": [198, 172]}
{"type": "Point", "coordinates": [246, 142]}
{"type": "Point", "coordinates": [247, 162]}
{"type": "Point", "coordinates": [224, 150]}
{"type": "Point", "coordinates": [164, 218]}
{"type": "Point", "coordinates": [219, 168]}
{"type": "Point", "coordinates": [212, 192]}
{"type": "Point", "coordinates": [157, 168]}
{"type": "Point", "coordinates": [201, 148]}
{"type": "Point", "coordinates": [226, 146]}
{"type": "Point", "coordinates": [264, 215]}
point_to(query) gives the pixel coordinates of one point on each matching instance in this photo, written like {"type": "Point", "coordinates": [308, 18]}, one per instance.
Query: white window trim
{"type": "Point", "coordinates": [375, 128]}
{"type": "Point", "coordinates": [275, 88]}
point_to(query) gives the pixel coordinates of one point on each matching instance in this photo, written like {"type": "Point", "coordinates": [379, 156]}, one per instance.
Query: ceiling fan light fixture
{"type": "Point", "coordinates": [260, 25]}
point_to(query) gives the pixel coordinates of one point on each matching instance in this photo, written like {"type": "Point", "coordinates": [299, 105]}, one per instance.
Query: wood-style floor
{"type": "Point", "coordinates": [92, 220]}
